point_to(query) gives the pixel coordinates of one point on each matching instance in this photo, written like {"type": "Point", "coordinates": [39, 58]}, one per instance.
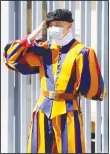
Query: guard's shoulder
{"type": "Point", "coordinates": [82, 46]}
{"type": "Point", "coordinates": [87, 50]}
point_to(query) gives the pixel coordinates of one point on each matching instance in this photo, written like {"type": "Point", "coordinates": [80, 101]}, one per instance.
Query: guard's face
{"type": "Point", "coordinates": [63, 24]}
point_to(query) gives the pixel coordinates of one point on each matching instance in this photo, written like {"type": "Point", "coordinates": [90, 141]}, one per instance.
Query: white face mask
{"type": "Point", "coordinates": [55, 33]}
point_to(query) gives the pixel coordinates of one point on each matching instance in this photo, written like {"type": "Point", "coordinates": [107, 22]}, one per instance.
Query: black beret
{"type": "Point", "coordinates": [59, 15]}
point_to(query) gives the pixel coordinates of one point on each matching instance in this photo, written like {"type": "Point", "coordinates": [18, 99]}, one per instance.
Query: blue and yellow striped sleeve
{"type": "Point", "coordinates": [90, 83]}
{"type": "Point", "coordinates": [23, 57]}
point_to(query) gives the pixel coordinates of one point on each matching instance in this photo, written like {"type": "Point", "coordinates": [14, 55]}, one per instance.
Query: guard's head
{"type": "Point", "coordinates": [60, 18]}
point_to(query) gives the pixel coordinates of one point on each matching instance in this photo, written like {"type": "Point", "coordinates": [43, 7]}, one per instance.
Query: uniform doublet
{"type": "Point", "coordinates": [72, 68]}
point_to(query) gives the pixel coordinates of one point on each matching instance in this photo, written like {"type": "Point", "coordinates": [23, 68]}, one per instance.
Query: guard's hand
{"type": "Point", "coordinates": [35, 33]}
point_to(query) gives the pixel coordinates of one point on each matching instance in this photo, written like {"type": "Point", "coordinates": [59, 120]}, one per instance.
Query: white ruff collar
{"type": "Point", "coordinates": [65, 40]}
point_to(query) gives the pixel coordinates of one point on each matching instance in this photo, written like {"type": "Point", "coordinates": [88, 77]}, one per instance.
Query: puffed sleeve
{"type": "Point", "coordinates": [89, 81]}
{"type": "Point", "coordinates": [24, 57]}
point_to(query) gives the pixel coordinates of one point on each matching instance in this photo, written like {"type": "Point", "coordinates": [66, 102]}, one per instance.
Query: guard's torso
{"type": "Point", "coordinates": [58, 73]}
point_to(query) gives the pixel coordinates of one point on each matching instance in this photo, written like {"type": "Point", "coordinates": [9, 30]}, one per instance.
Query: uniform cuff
{"type": "Point", "coordinates": [26, 42]}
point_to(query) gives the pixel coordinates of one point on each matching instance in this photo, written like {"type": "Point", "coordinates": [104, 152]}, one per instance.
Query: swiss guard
{"type": "Point", "coordinates": [68, 70]}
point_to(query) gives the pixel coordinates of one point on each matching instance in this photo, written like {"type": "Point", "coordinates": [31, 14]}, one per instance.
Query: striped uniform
{"type": "Point", "coordinates": [56, 125]}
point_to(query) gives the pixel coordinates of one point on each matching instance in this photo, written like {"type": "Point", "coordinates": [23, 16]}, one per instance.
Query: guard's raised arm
{"type": "Point", "coordinates": [25, 55]}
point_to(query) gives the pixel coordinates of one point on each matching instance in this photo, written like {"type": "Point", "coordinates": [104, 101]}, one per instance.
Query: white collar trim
{"type": "Point", "coordinates": [65, 40]}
